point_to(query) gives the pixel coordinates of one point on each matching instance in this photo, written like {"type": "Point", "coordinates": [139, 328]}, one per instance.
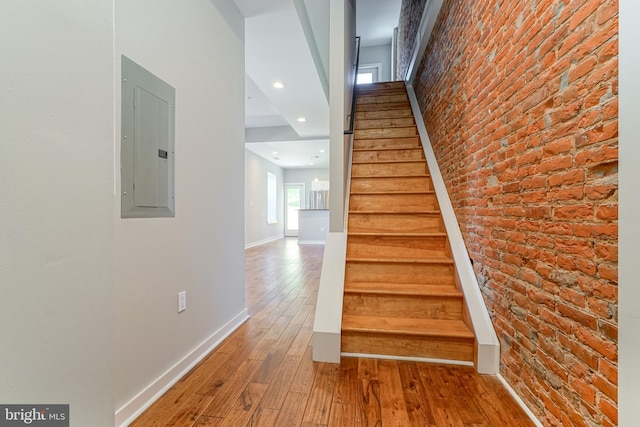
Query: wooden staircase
{"type": "Point", "coordinates": [401, 296]}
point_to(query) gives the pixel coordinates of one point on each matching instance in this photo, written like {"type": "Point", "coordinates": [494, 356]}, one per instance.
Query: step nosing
{"type": "Point", "coordinates": [433, 260]}
{"type": "Point", "coordinates": [442, 294]}
{"type": "Point", "coordinates": [390, 193]}
{"type": "Point", "coordinates": [389, 176]}
{"type": "Point", "coordinates": [398, 234]}
{"type": "Point", "coordinates": [430, 212]}
{"type": "Point", "coordinates": [391, 161]}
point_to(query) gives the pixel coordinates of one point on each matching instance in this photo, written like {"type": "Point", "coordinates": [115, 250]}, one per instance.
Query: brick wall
{"type": "Point", "coordinates": [410, 16]}
{"type": "Point", "coordinates": [520, 99]}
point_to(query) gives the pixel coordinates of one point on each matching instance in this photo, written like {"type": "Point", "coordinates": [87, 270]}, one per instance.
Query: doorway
{"type": "Point", "coordinates": [294, 201]}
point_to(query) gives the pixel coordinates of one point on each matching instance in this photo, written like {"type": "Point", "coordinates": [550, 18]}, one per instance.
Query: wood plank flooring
{"type": "Point", "coordinates": [263, 374]}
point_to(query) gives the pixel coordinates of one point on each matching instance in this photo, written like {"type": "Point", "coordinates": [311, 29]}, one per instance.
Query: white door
{"type": "Point", "coordinates": [294, 200]}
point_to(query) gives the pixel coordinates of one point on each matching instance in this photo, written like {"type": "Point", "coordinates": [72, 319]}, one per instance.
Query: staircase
{"type": "Point", "coordinates": [401, 296]}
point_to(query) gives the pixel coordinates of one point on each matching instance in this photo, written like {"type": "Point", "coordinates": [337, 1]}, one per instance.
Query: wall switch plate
{"type": "Point", "coordinates": [182, 301]}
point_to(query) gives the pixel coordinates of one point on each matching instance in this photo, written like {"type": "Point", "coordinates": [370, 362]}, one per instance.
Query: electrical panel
{"type": "Point", "coordinates": [147, 144]}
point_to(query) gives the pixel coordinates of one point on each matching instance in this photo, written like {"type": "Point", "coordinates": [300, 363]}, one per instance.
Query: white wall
{"type": "Point", "coordinates": [373, 55]}
{"type": "Point", "coordinates": [629, 296]}
{"type": "Point", "coordinates": [56, 206]}
{"type": "Point", "coordinates": [191, 46]}
{"type": "Point", "coordinates": [306, 176]}
{"type": "Point", "coordinates": [256, 228]}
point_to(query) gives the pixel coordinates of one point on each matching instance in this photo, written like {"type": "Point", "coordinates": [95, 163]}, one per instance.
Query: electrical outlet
{"type": "Point", "coordinates": [182, 301]}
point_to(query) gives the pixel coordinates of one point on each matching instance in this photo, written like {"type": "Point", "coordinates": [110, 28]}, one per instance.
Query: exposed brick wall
{"type": "Point", "coordinates": [408, 23]}
{"type": "Point", "coordinates": [520, 99]}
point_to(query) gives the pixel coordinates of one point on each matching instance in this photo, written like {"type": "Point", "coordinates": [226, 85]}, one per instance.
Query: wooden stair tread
{"type": "Point", "coordinates": [430, 260]}
{"type": "Point", "coordinates": [407, 326]}
{"type": "Point", "coordinates": [426, 175]}
{"type": "Point", "coordinates": [389, 161]}
{"type": "Point", "coordinates": [387, 148]}
{"type": "Point", "coordinates": [414, 289]}
{"type": "Point", "coordinates": [425, 212]}
{"type": "Point", "coordinates": [377, 193]}
{"type": "Point", "coordinates": [397, 234]}
{"type": "Point", "coordinates": [421, 175]}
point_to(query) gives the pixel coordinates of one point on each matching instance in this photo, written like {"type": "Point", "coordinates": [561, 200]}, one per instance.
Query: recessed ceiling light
{"type": "Point", "coordinates": [302, 119]}
{"type": "Point", "coordinates": [278, 85]}
{"type": "Point", "coordinates": [311, 164]}
{"type": "Point", "coordinates": [274, 152]}
{"type": "Point", "coordinates": [322, 151]}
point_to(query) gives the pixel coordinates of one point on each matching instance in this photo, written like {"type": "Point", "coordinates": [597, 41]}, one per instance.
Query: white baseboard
{"type": "Point", "coordinates": [408, 359]}
{"type": "Point", "coordinates": [136, 406]}
{"type": "Point", "coordinates": [311, 242]}
{"type": "Point", "coordinates": [264, 241]}
{"type": "Point", "coordinates": [523, 405]}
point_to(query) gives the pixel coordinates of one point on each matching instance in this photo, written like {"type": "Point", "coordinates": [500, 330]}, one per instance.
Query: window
{"type": "Point", "coordinates": [369, 73]}
{"type": "Point", "coordinates": [272, 197]}
{"type": "Point", "coordinates": [365, 78]}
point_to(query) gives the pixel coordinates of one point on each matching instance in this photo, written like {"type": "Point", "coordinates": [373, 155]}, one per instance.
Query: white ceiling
{"type": "Point", "coordinates": [375, 21]}
{"type": "Point", "coordinates": [276, 49]}
{"type": "Point", "coordinates": [313, 153]}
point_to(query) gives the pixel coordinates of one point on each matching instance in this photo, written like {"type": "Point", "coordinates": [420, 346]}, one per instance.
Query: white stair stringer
{"type": "Point", "coordinates": [488, 347]}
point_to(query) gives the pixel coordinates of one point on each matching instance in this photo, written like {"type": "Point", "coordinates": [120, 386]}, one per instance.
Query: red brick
{"type": "Point", "coordinates": [607, 212]}
{"type": "Point", "coordinates": [584, 389]}
{"type": "Point", "coordinates": [607, 272]}
{"type": "Point", "coordinates": [599, 133]}
{"type": "Point", "coordinates": [608, 330]}
{"type": "Point", "coordinates": [601, 191]}
{"type": "Point", "coordinates": [522, 114]}
{"type": "Point", "coordinates": [583, 353]}
{"type": "Point", "coordinates": [583, 13]}
{"type": "Point", "coordinates": [606, 12]}
{"type": "Point", "coordinates": [577, 315]}
{"type": "Point", "coordinates": [575, 176]}
{"type": "Point", "coordinates": [555, 163]}
{"type": "Point", "coordinates": [605, 347]}
{"type": "Point", "coordinates": [558, 147]}
{"type": "Point", "coordinates": [609, 370]}
{"type": "Point", "coordinates": [573, 212]}
{"type": "Point", "coordinates": [609, 409]}
{"type": "Point", "coordinates": [605, 232]}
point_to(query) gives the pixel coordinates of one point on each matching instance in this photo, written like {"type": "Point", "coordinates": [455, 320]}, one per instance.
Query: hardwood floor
{"type": "Point", "coordinates": [263, 374]}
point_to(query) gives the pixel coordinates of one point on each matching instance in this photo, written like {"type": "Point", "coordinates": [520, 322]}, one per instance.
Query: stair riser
{"type": "Point", "coordinates": [392, 202]}
{"type": "Point", "coordinates": [403, 345]}
{"type": "Point", "coordinates": [360, 108]}
{"type": "Point", "coordinates": [384, 92]}
{"type": "Point", "coordinates": [380, 223]}
{"type": "Point", "coordinates": [399, 132]}
{"type": "Point", "coordinates": [427, 274]}
{"type": "Point", "coordinates": [398, 85]}
{"type": "Point", "coordinates": [388, 155]}
{"type": "Point", "coordinates": [391, 169]}
{"type": "Point", "coordinates": [390, 184]}
{"type": "Point", "coordinates": [382, 99]}
{"type": "Point", "coordinates": [393, 247]}
{"type": "Point", "coordinates": [384, 123]}
{"type": "Point", "coordinates": [384, 114]}
{"type": "Point", "coordinates": [387, 143]}
{"type": "Point", "coordinates": [448, 308]}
